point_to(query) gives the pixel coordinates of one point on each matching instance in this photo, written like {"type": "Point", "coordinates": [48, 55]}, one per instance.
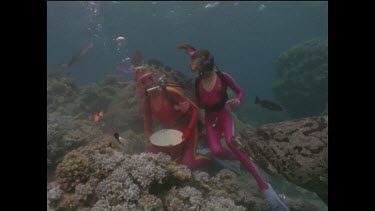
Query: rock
{"type": "Point", "coordinates": [296, 150]}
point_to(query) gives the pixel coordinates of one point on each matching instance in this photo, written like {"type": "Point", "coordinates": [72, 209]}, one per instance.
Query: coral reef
{"type": "Point", "coordinates": [137, 143]}
{"type": "Point", "coordinates": [125, 112]}
{"type": "Point", "coordinates": [61, 90]}
{"type": "Point", "coordinates": [302, 78]}
{"type": "Point", "coordinates": [82, 163]}
{"type": "Point", "coordinates": [221, 203]}
{"type": "Point", "coordinates": [180, 172]}
{"type": "Point", "coordinates": [150, 202]}
{"type": "Point", "coordinates": [99, 177]}
{"type": "Point", "coordinates": [296, 150]}
{"type": "Point", "coordinates": [186, 198]}
{"type": "Point", "coordinates": [226, 184]}
{"type": "Point", "coordinates": [65, 134]}
{"type": "Point", "coordinates": [67, 98]}
{"type": "Point", "coordinates": [96, 97]}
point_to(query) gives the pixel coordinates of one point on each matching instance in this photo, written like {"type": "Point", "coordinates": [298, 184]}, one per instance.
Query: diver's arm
{"type": "Point", "coordinates": [234, 86]}
{"type": "Point", "coordinates": [194, 116]}
{"type": "Point", "coordinates": [189, 108]}
{"type": "Point", "coordinates": [147, 116]}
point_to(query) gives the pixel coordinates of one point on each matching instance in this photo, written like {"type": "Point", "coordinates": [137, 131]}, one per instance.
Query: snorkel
{"type": "Point", "coordinates": [159, 83]}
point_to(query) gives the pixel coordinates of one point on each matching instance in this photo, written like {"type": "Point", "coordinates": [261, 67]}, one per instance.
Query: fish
{"type": "Point", "coordinates": [98, 116]}
{"type": "Point", "coordinates": [78, 56]}
{"type": "Point", "coordinates": [117, 137]}
{"type": "Point", "coordinates": [115, 134]}
{"type": "Point", "coordinates": [268, 104]}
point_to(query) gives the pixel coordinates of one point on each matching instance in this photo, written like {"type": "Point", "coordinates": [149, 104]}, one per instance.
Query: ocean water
{"type": "Point", "coordinates": [246, 38]}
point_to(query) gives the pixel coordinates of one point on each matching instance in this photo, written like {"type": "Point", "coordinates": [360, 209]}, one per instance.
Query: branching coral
{"type": "Point", "coordinates": [186, 198]}
{"type": "Point", "coordinates": [180, 172]}
{"type": "Point", "coordinates": [80, 164]}
{"type": "Point", "coordinates": [74, 169]}
{"type": "Point", "coordinates": [110, 180]}
{"type": "Point", "coordinates": [150, 202]}
{"type": "Point", "coordinates": [54, 193]}
{"type": "Point", "coordinates": [221, 203]}
{"type": "Point", "coordinates": [118, 188]}
{"type": "Point", "coordinates": [146, 168]}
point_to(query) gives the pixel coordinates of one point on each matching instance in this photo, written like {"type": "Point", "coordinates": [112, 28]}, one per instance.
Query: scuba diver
{"type": "Point", "coordinates": [168, 104]}
{"type": "Point", "coordinates": [211, 95]}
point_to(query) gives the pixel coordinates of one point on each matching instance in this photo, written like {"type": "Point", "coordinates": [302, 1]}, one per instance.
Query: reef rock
{"type": "Point", "coordinates": [296, 150]}
{"type": "Point", "coordinates": [301, 84]}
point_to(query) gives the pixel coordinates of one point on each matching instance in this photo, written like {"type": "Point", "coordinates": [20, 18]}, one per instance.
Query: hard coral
{"type": "Point", "coordinates": [65, 134]}
{"type": "Point", "coordinates": [150, 202]}
{"type": "Point", "coordinates": [186, 198]}
{"type": "Point", "coordinates": [214, 203]}
{"type": "Point", "coordinates": [146, 168]}
{"type": "Point", "coordinates": [74, 169]}
{"type": "Point", "coordinates": [180, 172]}
{"type": "Point", "coordinates": [80, 164]}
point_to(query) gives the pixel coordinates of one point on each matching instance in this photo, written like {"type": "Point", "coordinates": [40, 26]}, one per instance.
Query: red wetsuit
{"type": "Point", "coordinates": [162, 109]}
{"type": "Point", "coordinates": [218, 120]}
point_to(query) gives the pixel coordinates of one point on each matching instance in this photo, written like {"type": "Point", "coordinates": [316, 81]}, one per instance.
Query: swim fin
{"type": "Point", "coordinates": [273, 200]}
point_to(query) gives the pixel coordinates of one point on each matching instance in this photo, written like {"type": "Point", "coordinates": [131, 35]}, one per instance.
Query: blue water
{"type": "Point", "coordinates": [246, 38]}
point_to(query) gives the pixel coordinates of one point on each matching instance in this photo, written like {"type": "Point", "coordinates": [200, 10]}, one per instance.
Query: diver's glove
{"type": "Point", "coordinates": [273, 200]}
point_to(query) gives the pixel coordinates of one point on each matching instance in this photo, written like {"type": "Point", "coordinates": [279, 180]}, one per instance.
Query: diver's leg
{"type": "Point", "coordinates": [190, 158]}
{"type": "Point", "coordinates": [213, 139]}
{"type": "Point", "coordinates": [228, 127]}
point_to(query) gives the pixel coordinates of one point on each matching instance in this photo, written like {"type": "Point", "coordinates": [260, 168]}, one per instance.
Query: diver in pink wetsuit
{"type": "Point", "coordinates": [168, 103]}
{"type": "Point", "coordinates": [211, 94]}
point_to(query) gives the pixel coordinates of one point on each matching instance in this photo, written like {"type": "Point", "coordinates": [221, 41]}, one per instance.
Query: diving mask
{"type": "Point", "coordinates": [147, 80]}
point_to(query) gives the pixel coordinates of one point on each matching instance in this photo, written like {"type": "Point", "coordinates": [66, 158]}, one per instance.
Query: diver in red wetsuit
{"type": "Point", "coordinates": [168, 104]}
{"type": "Point", "coordinates": [211, 94]}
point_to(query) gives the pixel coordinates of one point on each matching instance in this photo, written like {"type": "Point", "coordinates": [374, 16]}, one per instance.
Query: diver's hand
{"type": "Point", "coordinates": [233, 103]}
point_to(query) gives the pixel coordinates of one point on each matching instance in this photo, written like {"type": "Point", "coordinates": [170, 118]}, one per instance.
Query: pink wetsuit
{"type": "Point", "coordinates": [170, 117]}
{"type": "Point", "coordinates": [220, 121]}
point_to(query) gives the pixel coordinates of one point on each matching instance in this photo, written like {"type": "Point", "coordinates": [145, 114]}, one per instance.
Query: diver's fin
{"type": "Point", "coordinates": [274, 201]}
